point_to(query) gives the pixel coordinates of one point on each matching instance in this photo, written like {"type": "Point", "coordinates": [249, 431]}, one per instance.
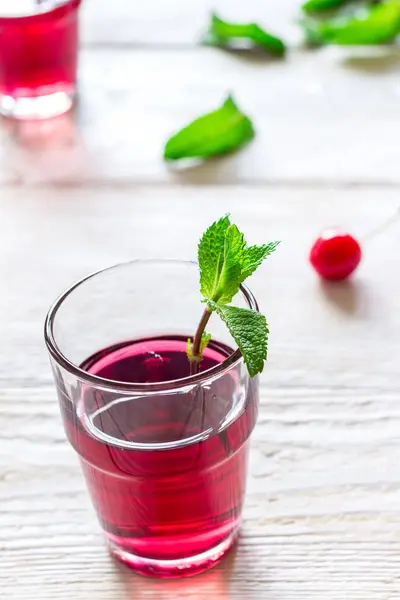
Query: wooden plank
{"type": "Point", "coordinates": [177, 22]}
{"type": "Point", "coordinates": [321, 515]}
{"type": "Point", "coordinates": [321, 336]}
{"type": "Point", "coordinates": [319, 119]}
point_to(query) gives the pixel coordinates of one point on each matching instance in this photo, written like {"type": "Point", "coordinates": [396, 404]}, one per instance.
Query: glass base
{"type": "Point", "coordinates": [36, 107]}
{"type": "Point", "coordinates": [169, 569]}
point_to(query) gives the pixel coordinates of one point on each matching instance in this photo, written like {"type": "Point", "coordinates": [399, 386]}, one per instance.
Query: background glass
{"type": "Point", "coordinates": [38, 57]}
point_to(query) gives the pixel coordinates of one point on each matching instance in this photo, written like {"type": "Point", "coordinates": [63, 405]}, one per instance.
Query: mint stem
{"type": "Point", "coordinates": [194, 369]}
{"type": "Point", "coordinates": [194, 364]}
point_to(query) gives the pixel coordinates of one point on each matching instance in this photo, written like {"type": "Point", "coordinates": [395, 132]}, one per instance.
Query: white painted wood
{"type": "Point", "coordinates": [319, 119]}
{"type": "Point", "coordinates": [176, 21]}
{"type": "Point", "coordinates": [50, 237]}
{"type": "Point", "coordinates": [80, 192]}
{"type": "Point", "coordinates": [321, 518]}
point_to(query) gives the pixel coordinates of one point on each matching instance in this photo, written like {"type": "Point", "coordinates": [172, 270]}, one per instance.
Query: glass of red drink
{"type": "Point", "coordinates": [38, 57]}
{"type": "Point", "coordinates": [164, 453]}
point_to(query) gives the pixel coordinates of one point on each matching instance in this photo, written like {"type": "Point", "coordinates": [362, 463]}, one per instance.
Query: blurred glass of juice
{"type": "Point", "coordinates": [38, 57]}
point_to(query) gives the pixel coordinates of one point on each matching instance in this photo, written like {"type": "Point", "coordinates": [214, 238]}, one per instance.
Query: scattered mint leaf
{"type": "Point", "coordinates": [250, 331]}
{"type": "Point", "coordinates": [316, 6]}
{"type": "Point", "coordinates": [219, 132]}
{"type": "Point", "coordinates": [205, 340]}
{"type": "Point", "coordinates": [222, 33]}
{"type": "Point", "coordinates": [376, 24]}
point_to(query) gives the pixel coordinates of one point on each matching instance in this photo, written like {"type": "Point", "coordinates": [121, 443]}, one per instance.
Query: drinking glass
{"type": "Point", "coordinates": [164, 453]}
{"type": "Point", "coordinates": [38, 57]}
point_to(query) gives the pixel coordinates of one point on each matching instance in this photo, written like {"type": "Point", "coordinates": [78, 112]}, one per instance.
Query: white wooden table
{"type": "Point", "coordinates": [322, 518]}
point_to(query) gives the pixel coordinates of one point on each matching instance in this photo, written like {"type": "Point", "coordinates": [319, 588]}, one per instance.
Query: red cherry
{"type": "Point", "coordinates": [335, 255]}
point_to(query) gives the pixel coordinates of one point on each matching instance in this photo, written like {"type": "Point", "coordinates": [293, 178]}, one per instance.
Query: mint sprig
{"type": "Point", "coordinates": [223, 34]}
{"type": "Point", "coordinates": [219, 132]}
{"type": "Point", "coordinates": [225, 262]}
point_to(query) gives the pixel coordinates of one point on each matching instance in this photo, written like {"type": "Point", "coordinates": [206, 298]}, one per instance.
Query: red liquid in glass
{"type": "Point", "coordinates": [38, 53]}
{"type": "Point", "coordinates": [171, 503]}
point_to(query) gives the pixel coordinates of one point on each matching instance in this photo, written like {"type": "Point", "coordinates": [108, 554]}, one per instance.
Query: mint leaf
{"type": "Point", "coordinates": [209, 255]}
{"type": "Point", "coordinates": [378, 24]}
{"type": "Point", "coordinates": [221, 253]}
{"type": "Point", "coordinates": [254, 256]}
{"type": "Point", "coordinates": [315, 6]}
{"type": "Point", "coordinates": [225, 260]}
{"type": "Point", "coordinates": [219, 132]}
{"type": "Point", "coordinates": [222, 33]}
{"type": "Point", "coordinates": [250, 331]}
{"type": "Point", "coordinates": [205, 340]}
{"type": "Point", "coordinates": [230, 276]}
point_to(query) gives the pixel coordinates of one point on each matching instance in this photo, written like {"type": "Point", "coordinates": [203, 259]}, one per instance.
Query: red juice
{"type": "Point", "coordinates": [38, 57]}
{"type": "Point", "coordinates": [166, 471]}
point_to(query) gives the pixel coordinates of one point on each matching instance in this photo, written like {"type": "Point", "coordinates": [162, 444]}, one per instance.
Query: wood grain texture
{"type": "Point", "coordinates": [321, 118]}
{"type": "Point", "coordinates": [321, 518]}
{"type": "Point", "coordinates": [177, 22]}
{"type": "Point", "coordinates": [83, 191]}
{"type": "Point", "coordinates": [49, 238]}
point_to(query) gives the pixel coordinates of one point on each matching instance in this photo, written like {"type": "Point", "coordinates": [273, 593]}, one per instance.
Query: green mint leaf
{"type": "Point", "coordinates": [378, 24]}
{"type": "Point", "coordinates": [210, 256]}
{"type": "Point", "coordinates": [225, 260]}
{"type": "Point", "coordinates": [220, 255]}
{"type": "Point", "coordinates": [205, 340]}
{"type": "Point", "coordinates": [316, 6]}
{"type": "Point", "coordinates": [189, 350]}
{"type": "Point", "coordinates": [250, 331]}
{"type": "Point", "coordinates": [230, 276]}
{"type": "Point", "coordinates": [254, 256]}
{"type": "Point", "coordinates": [219, 132]}
{"type": "Point", "coordinates": [222, 33]}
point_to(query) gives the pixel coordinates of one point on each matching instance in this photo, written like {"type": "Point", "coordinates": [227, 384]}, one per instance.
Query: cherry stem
{"type": "Point", "coordinates": [194, 364]}
{"type": "Point", "coordinates": [383, 226]}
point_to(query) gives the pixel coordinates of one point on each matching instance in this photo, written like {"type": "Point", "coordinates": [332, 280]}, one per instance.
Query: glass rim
{"type": "Point", "coordinates": [65, 6]}
{"type": "Point", "coordinates": [142, 388]}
